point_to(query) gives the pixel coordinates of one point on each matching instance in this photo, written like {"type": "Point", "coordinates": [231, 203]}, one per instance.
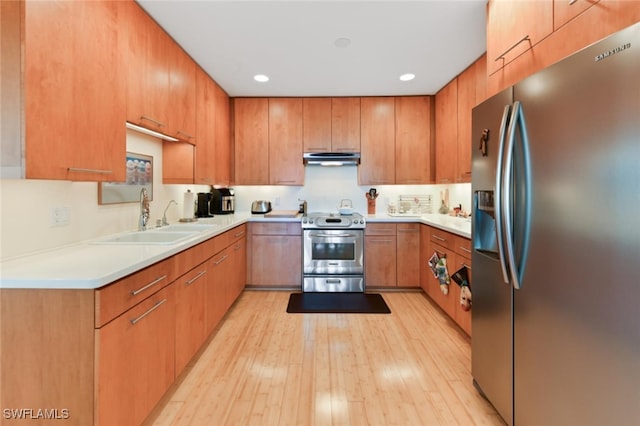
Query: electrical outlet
{"type": "Point", "coordinates": [60, 216]}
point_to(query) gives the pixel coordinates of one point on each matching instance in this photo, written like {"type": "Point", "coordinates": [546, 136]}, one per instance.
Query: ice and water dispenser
{"type": "Point", "coordinates": [484, 235]}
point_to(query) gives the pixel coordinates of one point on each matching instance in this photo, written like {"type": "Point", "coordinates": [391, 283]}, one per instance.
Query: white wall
{"type": "Point", "coordinates": [25, 214]}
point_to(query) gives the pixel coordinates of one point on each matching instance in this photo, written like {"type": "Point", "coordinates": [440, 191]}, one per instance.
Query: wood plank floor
{"type": "Point", "coordinates": [267, 367]}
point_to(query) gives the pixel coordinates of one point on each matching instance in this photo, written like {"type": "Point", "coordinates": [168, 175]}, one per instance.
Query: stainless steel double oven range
{"type": "Point", "coordinates": [333, 253]}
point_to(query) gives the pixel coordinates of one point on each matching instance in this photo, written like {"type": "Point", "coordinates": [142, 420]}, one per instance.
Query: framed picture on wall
{"type": "Point", "coordinates": [139, 175]}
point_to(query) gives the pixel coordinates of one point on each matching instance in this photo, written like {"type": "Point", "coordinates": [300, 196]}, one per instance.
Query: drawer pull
{"type": "Point", "coordinates": [156, 122]}
{"type": "Point", "coordinates": [438, 238]}
{"type": "Point", "coordinates": [237, 247]}
{"type": "Point", "coordinates": [239, 234]}
{"type": "Point", "coordinates": [153, 308]}
{"type": "Point", "coordinates": [187, 135]}
{"type": "Point", "coordinates": [465, 249]}
{"type": "Point", "coordinates": [572, 2]}
{"type": "Point", "coordinates": [221, 259]}
{"type": "Point", "coordinates": [192, 280]}
{"type": "Point", "coordinates": [152, 283]}
{"type": "Point", "coordinates": [513, 47]}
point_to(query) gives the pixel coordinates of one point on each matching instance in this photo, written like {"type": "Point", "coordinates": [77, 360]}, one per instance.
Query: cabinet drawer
{"type": "Point", "coordinates": [380, 229]}
{"type": "Point", "coordinates": [281, 228]}
{"type": "Point", "coordinates": [441, 238]}
{"type": "Point", "coordinates": [236, 233]}
{"type": "Point", "coordinates": [121, 295]}
{"type": "Point", "coordinates": [462, 246]}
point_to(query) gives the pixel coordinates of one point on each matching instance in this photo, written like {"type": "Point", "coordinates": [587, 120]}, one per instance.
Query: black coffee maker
{"type": "Point", "coordinates": [204, 200]}
{"type": "Point", "coordinates": [222, 201]}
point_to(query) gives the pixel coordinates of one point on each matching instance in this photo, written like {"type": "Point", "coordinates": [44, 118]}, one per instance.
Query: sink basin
{"type": "Point", "coordinates": [146, 238]}
{"type": "Point", "coordinates": [186, 228]}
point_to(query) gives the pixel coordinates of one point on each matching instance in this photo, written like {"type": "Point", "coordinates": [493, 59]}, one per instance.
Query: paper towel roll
{"type": "Point", "coordinates": [188, 205]}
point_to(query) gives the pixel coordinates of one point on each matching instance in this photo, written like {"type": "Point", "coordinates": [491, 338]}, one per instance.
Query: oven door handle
{"type": "Point", "coordinates": [324, 235]}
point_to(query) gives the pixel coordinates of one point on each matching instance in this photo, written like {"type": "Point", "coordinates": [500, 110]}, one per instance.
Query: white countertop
{"type": "Point", "coordinates": [86, 265]}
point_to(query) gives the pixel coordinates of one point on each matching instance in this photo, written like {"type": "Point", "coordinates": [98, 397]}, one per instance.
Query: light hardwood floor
{"type": "Point", "coordinates": [267, 367]}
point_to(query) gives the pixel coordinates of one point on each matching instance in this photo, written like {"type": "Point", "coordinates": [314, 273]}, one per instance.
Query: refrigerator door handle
{"type": "Point", "coordinates": [517, 123]}
{"type": "Point", "coordinates": [498, 196]}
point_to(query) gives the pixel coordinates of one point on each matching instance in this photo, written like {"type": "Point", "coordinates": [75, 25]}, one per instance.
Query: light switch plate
{"type": "Point", "coordinates": [60, 216]}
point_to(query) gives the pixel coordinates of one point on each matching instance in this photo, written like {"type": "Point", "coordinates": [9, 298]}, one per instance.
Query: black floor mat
{"type": "Point", "coordinates": [338, 303]}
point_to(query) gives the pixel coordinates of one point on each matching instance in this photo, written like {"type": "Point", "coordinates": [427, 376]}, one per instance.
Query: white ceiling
{"type": "Point", "coordinates": [293, 43]}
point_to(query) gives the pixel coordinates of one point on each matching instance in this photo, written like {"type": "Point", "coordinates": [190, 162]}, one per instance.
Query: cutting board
{"type": "Point", "coordinates": [282, 213]}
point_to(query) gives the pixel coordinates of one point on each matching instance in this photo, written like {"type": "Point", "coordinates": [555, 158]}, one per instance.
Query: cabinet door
{"type": "Point", "coordinates": [345, 124]}
{"type": "Point", "coordinates": [238, 253]}
{"type": "Point", "coordinates": [316, 124]}
{"type": "Point", "coordinates": [251, 124]}
{"type": "Point", "coordinates": [222, 167]}
{"type": "Point", "coordinates": [178, 160]}
{"type": "Point", "coordinates": [509, 22]}
{"type": "Point", "coordinates": [205, 158]}
{"type": "Point", "coordinates": [217, 282]}
{"type": "Point", "coordinates": [414, 148]}
{"type": "Point", "coordinates": [135, 360]}
{"type": "Point", "coordinates": [447, 132]}
{"type": "Point", "coordinates": [190, 314]}
{"type": "Point", "coordinates": [377, 148]}
{"type": "Point", "coordinates": [466, 101]}
{"type": "Point", "coordinates": [285, 141]}
{"type": "Point", "coordinates": [276, 260]}
{"type": "Point", "coordinates": [182, 94]}
{"type": "Point", "coordinates": [380, 260]}
{"type": "Point", "coordinates": [408, 255]}
{"type": "Point", "coordinates": [74, 90]}
{"type": "Point", "coordinates": [566, 10]}
{"type": "Point", "coordinates": [147, 70]}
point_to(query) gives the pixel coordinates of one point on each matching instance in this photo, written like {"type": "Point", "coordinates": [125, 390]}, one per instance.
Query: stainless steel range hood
{"type": "Point", "coordinates": [331, 158]}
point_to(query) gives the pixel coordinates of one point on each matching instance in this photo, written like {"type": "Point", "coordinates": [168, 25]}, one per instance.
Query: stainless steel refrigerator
{"type": "Point", "coordinates": [556, 241]}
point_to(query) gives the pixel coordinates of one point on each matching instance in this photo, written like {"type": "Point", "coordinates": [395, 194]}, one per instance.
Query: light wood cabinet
{"type": "Point", "coordinates": [222, 168]}
{"type": "Point", "coordinates": [513, 27]}
{"type": "Point", "coordinates": [408, 254]}
{"type": "Point", "coordinates": [178, 161]}
{"type": "Point", "coordinates": [136, 360]}
{"type": "Point", "coordinates": [345, 124]}
{"type": "Point", "coordinates": [74, 90]}
{"type": "Point", "coordinates": [316, 124]}
{"type": "Point", "coordinates": [462, 248]}
{"type": "Point", "coordinates": [466, 101]}
{"type": "Point", "coordinates": [182, 94]}
{"type": "Point", "coordinates": [377, 143]}
{"type": "Point", "coordinates": [205, 158]}
{"type": "Point", "coordinates": [148, 71]}
{"type": "Point", "coordinates": [285, 141]}
{"type": "Point", "coordinates": [380, 260]}
{"type": "Point", "coordinates": [219, 265]}
{"type": "Point", "coordinates": [190, 327]}
{"type": "Point", "coordinates": [446, 126]}
{"type": "Point", "coordinates": [274, 254]}
{"type": "Point", "coordinates": [414, 148]}
{"type": "Point", "coordinates": [573, 31]}
{"type": "Point", "coordinates": [251, 136]}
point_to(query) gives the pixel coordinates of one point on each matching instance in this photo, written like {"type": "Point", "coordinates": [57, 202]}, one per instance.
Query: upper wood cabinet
{"type": "Point", "coordinates": [446, 124]}
{"type": "Point", "coordinates": [285, 141]}
{"type": "Point", "coordinates": [182, 95]}
{"type": "Point", "coordinates": [345, 124]}
{"type": "Point", "coordinates": [316, 124]}
{"type": "Point", "coordinates": [514, 27]}
{"type": "Point", "coordinates": [466, 101]}
{"type": "Point", "coordinates": [222, 156]}
{"type": "Point", "coordinates": [178, 162]}
{"type": "Point", "coordinates": [148, 56]}
{"type": "Point", "coordinates": [377, 143]}
{"type": "Point", "coordinates": [74, 90]}
{"type": "Point", "coordinates": [414, 154]}
{"type": "Point", "coordinates": [251, 141]}
{"type": "Point", "coordinates": [205, 162]}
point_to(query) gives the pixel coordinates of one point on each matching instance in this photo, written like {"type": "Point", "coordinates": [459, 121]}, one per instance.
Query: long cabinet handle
{"type": "Point", "coordinates": [188, 136]}
{"type": "Point", "coordinates": [571, 2]}
{"type": "Point", "coordinates": [239, 234]}
{"type": "Point", "coordinates": [82, 170]}
{"type": "Point", "coordinates": [153, 308]}
{"type": "Point", "coordinates": [152, 283]}
{"type": "Point", "coordinates": [465, 249]}
{"type": "Point", "coordinates": [513, 47]}
{"type": "Point", "coordinates": [221, 259]}
{"type": "Point", "coordinates": [147, 118]}
{"type": "Point", "coordinates": [194, 279]}
{"type": "Point", "coordinates": [438, 238]}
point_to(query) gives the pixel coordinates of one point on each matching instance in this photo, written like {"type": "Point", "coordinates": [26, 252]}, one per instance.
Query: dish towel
{"type": "Point", "coordinates": [443, 275]}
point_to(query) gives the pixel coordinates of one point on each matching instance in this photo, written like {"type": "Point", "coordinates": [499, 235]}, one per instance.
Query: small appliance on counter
{"type": "Point", "coordinates": [222, 201]}
{"type": "Point", "coordinates": [203, 200]}
{"type": "Point", "coordinates": [260, 207]}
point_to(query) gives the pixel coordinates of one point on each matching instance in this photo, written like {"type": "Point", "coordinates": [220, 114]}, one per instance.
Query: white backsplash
{"type": "Point", "coordinates": [25, 214]}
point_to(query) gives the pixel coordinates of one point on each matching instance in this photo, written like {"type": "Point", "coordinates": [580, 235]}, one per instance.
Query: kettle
{"type": "Point", "coordinates": [260, 207]}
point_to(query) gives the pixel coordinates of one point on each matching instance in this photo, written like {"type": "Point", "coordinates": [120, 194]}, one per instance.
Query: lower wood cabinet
{"type": "Point", "coordinates": [190, 327]}
{"type": "Point", "coordinates": [392, 255]}
{"type": "Point", "coordinates": [274, 256]}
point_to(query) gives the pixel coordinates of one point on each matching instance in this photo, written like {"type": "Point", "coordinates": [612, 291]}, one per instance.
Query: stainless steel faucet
{"type": "Point", "coordinates": [144, 210]}
{"type": "Point", "coordinates": [164, 215]}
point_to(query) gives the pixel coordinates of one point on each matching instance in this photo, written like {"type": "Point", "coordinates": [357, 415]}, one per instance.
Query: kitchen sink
{"type": "Point", "coordinates": [200, 227]}
{"type": "Point", "coordinates": [146, 238]}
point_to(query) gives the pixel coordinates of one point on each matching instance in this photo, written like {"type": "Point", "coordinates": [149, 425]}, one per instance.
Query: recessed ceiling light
{"type": "Point", "coordinates": [342, 42]}
{"type": "Point", "coordinates": [261, 78]}
{"type": "Point", "coordinates": [407, 77]}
